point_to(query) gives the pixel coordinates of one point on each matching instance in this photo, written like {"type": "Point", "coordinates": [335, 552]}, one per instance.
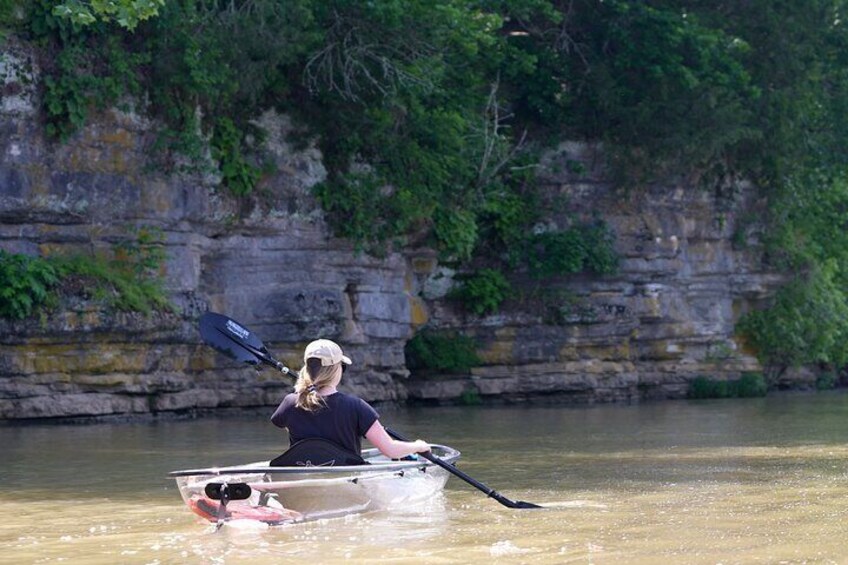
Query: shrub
{"type": "Point", "coordinates": [470, 397]}
{"type": "Point", "coordinates": [749, 385]}
{"type": "Point", "coordinates": [361, 211]}
{"type": "Point", "coordinates": [25, 284]}
{"type": "Point", "coordinates": [127, 278]}
{"type": "Point", "coordinates": [598, 240]}
{"type": "Point", "coordinates": [9, 18]}
{"type": "Point", "coordinates": [556, 253]}
{"type": "Point", "coordinates": [826, 381]}
{"type": "Point", "coordinates": [445, 352]}
{"type": "Point", "coordinates": [505, 219]}
{"type": "Point", "coordinates": [115, 284]}
{"type": "Point", "coordinates": [85, 69]}
{"type": "Point", "coordinates": [456, 232]}
{"type": "Point", "coordinates": [581, 248]}
{"type": "Point", "coordinates": [806, 324]}
{"type": "Point", "coordinates": [237, 174]}
{"type": "Point", "coordinates": [482, 292]}
{"type": "Point", "coordinates": [702, 387]}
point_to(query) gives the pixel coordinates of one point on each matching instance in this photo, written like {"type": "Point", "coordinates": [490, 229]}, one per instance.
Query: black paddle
{"type": "Point", "coordinates": [237, 342]}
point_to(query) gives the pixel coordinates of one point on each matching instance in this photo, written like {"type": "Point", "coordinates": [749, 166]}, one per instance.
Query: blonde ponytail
{"type": "Point", "coordinates": [312, 378]}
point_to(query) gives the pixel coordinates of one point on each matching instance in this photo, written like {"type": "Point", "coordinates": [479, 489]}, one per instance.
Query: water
{"type": "Point", "coordinates": [742, 481]}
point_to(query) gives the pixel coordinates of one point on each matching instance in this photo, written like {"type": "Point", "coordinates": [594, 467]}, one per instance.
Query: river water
{"type": "Point", "coordinates": [737, 481]}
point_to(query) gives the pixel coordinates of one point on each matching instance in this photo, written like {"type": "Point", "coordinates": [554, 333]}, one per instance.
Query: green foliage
{"type": "Point", "coordinates": [25, 284]}
{"type": "Point", "coordinates": [672, 85]}
{"type": "Point", "coordinates": [799, 70]}
{"type": "Point", "coordinates": [115, 283]}
{"type": "Point", "coordinates": [508, 212]}
{"type": "Point", "coordinates": [364, 212]}
{"type": "Point", "coordinates": [205, 69]}
{"type": "Point", "coordinates": [131, 279]}
{"type": "Point", "coordinates": [419, 89]}
{"type": "Point", "coordinates": [665, 88]}
{"type": "Point", "coordinates": [65, 102]}
{"type": "Point", "coordinates": [238, 175]}
{"type": "Point", "coordinates": [801, 161]}
{"type": "Point", "coordinates": [582, 248]}
{"type": "Point", "coordinates": [128, 278]}
{"type": "Point", "coordinates": [749, 385]}
{"type": "Point", "coordinates": [702, 387]}
{"type": "Point", "coordinates": [809, 222]}
{"type": "Point", "coordinates": [807, 323]}
{"type": "Point", "coordinates": [143, 253]}
{"type": "Point", "coordinates": [456, 231]}
{"type": "Point", "coordinates": [826, 381]}
{"type": "Point", "coordinates": [127, 13]}
{"type": "Point", "coordinates": [400, 86]}
{"type": "Point", "coordinates": [505, 218]}
{"type": "Point", "coordinates": [422, 169]}
{"type": "Point", "coordinates": [753, 88]}
{"type": "Point", "coordinates": [470, 397]}
{"type": "Point", "coordinates": [599, 243]}
{"type": "Point", "coordinates": [556, 253]}
{"type": "Point", "coordinates": [411, 88]}
{"type": "Point", "coordinates": [482, 292]}
{"type": "Point", "coordinates": [431, 114]}
{"type": "Point", "coordinates": [89, 69]}
{"type": "Point", "coordinates": [9, 15]}
{"type": "Point", "coordinates": [442, 352]}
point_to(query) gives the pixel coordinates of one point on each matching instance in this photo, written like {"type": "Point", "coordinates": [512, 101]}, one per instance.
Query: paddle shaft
{"type": "Point", "coordinates": [258, 351]}
{"type": "Point", "coordinates": [492, 493]}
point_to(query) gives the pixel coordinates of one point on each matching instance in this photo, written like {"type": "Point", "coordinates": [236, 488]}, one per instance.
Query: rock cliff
{"type": "Point", "coordinates": [271, 262]}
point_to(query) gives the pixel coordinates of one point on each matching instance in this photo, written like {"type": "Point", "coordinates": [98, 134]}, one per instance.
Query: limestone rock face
{"type": "Point", "coordinates": [271, 262]}
{"type": "Point", "coordinates": [666, 317]}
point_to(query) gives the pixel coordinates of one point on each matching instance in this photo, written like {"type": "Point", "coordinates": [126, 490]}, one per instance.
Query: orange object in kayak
{"type": "Point", "coordinates": [208, 509]}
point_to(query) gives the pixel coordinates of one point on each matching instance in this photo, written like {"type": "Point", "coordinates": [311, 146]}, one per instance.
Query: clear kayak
{"type": "Point", "coordinates": [279, 495]}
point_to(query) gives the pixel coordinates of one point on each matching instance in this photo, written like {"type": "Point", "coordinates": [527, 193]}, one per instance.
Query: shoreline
{"type": "Point", "coordinates": [387, 407]}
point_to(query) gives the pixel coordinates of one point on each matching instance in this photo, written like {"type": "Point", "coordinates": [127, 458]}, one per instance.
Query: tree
{"type": "Point", "coordinates": [126, 13]}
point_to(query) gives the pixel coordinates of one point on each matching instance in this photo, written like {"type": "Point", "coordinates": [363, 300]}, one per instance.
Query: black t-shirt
{"type": "Point", "coordinates": [344, 420]}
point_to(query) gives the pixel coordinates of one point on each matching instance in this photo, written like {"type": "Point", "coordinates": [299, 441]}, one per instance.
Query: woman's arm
{"type": "Point", "coordinates": [393, 448]}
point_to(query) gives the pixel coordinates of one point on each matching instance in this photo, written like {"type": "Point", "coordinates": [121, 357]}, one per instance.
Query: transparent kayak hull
{"type": "Point", "coordinates": [279, 495]}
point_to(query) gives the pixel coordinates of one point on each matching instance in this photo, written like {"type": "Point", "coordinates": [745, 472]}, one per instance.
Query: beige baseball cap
{"type": "Point", "coordinates": [327, 351]}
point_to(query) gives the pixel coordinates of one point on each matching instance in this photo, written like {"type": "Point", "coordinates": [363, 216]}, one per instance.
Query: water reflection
{"type": "Point", "coordinates": [708, 482]}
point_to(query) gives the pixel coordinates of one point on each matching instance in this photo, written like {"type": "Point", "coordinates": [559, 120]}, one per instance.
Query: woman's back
{"type": "Point", "coordinates": [317, 410]}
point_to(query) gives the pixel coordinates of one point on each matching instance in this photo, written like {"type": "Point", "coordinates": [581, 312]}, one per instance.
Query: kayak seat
{"type": "Point", "coordinates": [313, 452]}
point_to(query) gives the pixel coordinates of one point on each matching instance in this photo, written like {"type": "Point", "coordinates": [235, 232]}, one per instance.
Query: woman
{"type": "Point", "coordinates": [317, 410]}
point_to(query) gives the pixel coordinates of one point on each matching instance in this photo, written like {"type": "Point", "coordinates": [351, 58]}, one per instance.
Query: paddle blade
{"type": "Point", "coordinates": [230, 338]}
{"type": "Point", "coordinates": [512, 503]}
{"type": "Point", "coordinates": [522, 504]}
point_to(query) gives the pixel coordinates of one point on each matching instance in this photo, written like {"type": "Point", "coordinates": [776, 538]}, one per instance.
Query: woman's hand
{"type": "Point", "coordinates": [421, 446]}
